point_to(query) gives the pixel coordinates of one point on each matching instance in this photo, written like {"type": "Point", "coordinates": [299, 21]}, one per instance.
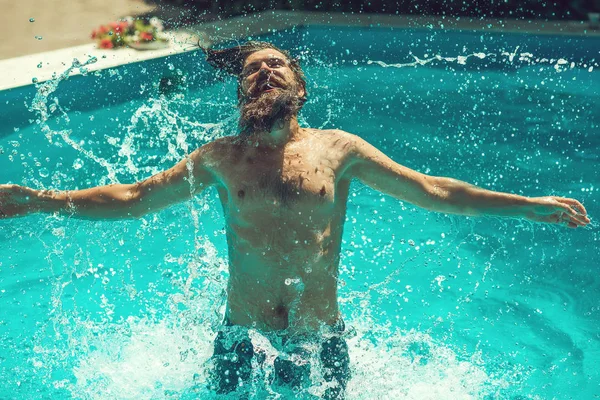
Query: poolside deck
{"type": "Point", "coordinates": [60, 23]}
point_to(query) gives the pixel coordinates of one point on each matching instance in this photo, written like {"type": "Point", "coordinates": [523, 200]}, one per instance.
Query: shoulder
{"type": "Point", "coordinates": [218, 144]}
{"type": "Point", "coordinates": [353, 146]}
{"type": "Point", "coordinates": [345, 147]}
{"type": "Point", "coordinates": [210, 159]}
{"type": "Point", "coordinates": [339, 138]}
{"type": "Point", "coordinates": [216, 150]}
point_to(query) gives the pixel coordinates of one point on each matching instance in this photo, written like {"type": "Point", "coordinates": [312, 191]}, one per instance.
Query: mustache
{"type": "Point", "coordinates": [257, 87]}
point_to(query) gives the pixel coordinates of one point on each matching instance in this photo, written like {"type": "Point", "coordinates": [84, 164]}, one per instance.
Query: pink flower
{"type": "Point", "coordinates": [119, 28]}
{"type": "Point", "coordinates": [106, 44]}
{"type": "Point", "coordinates": [146, 36]}
{"type": "Point", "coordinates": [94, 34]}
{"type": "Point", "coordinates": [103, 29]}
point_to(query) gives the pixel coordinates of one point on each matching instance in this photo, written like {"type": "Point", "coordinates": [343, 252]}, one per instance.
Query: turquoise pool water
{"type": "Point", "coordinates": [442, 306]}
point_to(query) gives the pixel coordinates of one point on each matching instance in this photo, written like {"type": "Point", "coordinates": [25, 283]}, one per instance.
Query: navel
{"type": "Point", "coordinates": [281, 311]}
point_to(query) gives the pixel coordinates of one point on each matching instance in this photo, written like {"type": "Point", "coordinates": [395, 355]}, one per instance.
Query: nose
{"type": "Point", "coordinates": [264, 69]}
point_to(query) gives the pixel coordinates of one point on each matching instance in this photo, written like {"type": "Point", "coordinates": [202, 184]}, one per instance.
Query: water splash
{"type": "Point", "coordinates": [44, 109]}
{"type": "Point", "coordinates": [462, 60]}
{"type": "Point", "coordinates": [559, 64]}
{"type": "Point", "coordinates": [152, 360]}
{"type": "Point", "coordinates": [161, 115]}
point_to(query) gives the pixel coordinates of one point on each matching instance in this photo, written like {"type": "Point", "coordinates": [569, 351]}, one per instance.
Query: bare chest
{"type": "Point", "coordinates": [291, 181]}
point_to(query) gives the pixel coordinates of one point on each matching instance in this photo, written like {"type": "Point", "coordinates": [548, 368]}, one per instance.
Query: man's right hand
{"type": "Point", "coordinates": [17, 201]}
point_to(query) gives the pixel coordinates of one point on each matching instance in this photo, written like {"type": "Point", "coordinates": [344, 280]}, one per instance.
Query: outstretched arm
{"type": "Point", "coordinates": [452, 196]}
{"type": "Point", "coordinates": [114, 201]}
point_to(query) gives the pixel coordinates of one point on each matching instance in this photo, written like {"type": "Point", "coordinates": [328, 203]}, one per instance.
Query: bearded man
{"type": "Point", "coordinates": [284, 190]}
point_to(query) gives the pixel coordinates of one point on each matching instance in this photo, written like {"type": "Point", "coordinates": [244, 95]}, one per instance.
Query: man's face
{"type": "Point", "coordinates": [266, 71]}
{"type": "Point", "coordinates": [269, 92]}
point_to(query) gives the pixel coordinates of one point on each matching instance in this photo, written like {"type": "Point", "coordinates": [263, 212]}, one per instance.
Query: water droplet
{"type": "Point", "coordinates": [31, 19]}
{"type": "Point", "coordinates": [78, 163]}
{"type": "Point", "coordinates": [288, 281]}
{"type": "Point", "coordinates": [38, 37]}
{"type": "Point", "coordinates": [44, 172]}
{"type": "Point", "coordinates": [34, 80]}
{"type": "Point", "coordinates": [411, 242]}
{"type": "Point", "coordinates": [39, 65]}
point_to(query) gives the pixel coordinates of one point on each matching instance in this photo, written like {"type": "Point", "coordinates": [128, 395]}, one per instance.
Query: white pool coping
{"type": "Point", "coordinates": [20, 71]}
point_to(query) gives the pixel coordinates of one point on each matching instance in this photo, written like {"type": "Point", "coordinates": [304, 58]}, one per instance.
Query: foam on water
{"type": "Point", "coordinates": [151, 360]}
{"type": "Point", "coordinates": [166, 360]}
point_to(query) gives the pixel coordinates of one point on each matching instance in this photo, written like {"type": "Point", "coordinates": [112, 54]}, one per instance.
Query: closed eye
{"type": "Point", "coordinates": [275, 63]}
{"type": "Point", "coordinates": [249, 71]}
{"type": "Point", "coordinates": [255, 66]}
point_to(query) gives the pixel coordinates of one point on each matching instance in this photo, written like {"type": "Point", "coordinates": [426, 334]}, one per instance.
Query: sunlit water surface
{"type": "Point", "coordinates": [440, 306]}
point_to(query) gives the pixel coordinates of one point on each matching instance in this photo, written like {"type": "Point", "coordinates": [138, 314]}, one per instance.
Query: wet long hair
{"type": "Point", "coordinates": [231, 61]}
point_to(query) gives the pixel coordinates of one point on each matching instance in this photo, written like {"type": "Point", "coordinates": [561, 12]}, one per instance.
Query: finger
{"type": "Point", "coordinates": [573, 202]}
{"type": "Point", "coordinates": [565, 208]}
{"type": "Point", "coordinates": [583, 217]}
{"type": "Point", "coordinates": [566, 220]}
{"type": "Point", "coordinates": [581, 221]}
{"type": "Point", "coordinates": [579, 217]}
{"type": "Point", "coordinates": [573, 213]}
{"type": "Point", "coordinates": [578, 220]}
{"type": "Point", "coordinates": [578, 205]}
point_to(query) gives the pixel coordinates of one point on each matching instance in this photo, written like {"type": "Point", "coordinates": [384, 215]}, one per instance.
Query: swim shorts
{"type": "Point", "coordinates": [232, 362]}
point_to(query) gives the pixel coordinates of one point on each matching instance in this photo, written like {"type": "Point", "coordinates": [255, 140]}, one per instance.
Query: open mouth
{"type": "Point", "coordinates": [268, 86]}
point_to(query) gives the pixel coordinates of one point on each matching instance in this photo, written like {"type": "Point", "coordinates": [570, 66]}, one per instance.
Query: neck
{"type": "Point", "coordinates": [282, 132]}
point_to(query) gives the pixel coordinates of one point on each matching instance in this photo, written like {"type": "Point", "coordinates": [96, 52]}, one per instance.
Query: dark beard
{"type": "Point", "coordinates": [262, 113]}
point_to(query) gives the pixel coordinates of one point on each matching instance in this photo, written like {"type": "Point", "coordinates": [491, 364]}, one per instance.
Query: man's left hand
{"type": "Point", "coordinates": [558, 210]}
